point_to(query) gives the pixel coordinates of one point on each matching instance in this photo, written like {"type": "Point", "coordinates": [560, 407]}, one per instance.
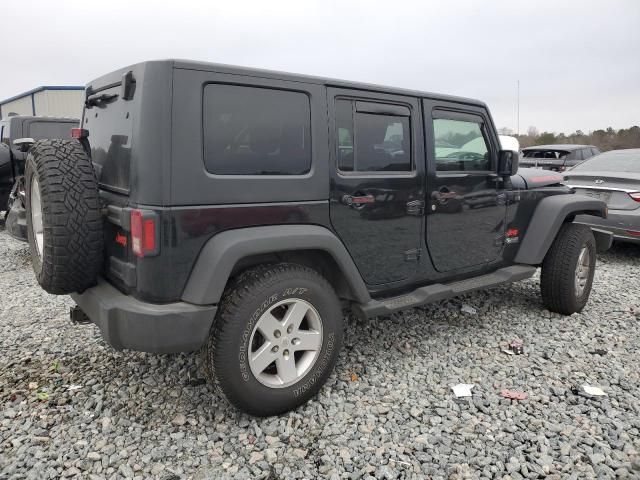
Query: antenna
{"type": "Point", "coordinates": [518, 107]}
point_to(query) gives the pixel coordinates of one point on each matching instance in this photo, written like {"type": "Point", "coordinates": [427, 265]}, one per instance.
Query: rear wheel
{"type": "Point", "coordinates": [568, 269]}
{"type": "Point", "coordinates": [276, 338]}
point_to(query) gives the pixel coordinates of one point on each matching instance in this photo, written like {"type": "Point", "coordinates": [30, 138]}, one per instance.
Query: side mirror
{"type": "Point", "coordinates": [24, 144]}
{"type": "Point", "coordinates": [508, 161]}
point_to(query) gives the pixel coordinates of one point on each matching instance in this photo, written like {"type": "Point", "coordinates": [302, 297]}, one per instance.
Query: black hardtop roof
{"type": "Point", "coordinates": [566, 146]}
{"type": "Point", "coordinates": [293, 77]}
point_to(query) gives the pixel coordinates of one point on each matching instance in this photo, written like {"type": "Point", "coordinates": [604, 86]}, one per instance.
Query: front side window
{"type": "Point", "coordinates": [256, 131]}
{"type": "Point", "coordinates": [372, 142]}
{"type": "Point", "coordinates": [460, 146]}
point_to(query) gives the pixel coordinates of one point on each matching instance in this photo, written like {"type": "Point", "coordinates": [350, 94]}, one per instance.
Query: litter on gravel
{"type": "Point", "coordinates": [513, 395]}
{"type": "Point", "coordinates": [594, 391]}
{"type": "Point", "coordinates": [462, 390]}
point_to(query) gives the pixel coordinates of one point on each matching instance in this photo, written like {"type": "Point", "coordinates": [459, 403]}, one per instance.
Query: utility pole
{"type": "Point", "coordinates": [518, 108]}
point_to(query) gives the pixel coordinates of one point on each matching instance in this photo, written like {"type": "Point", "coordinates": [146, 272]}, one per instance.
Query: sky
{"type": "Point", "coordinates": [578, 62]}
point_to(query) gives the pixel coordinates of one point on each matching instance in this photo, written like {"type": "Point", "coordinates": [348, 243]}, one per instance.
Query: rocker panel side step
{"type": "Point", "coordinates": [442, 291]}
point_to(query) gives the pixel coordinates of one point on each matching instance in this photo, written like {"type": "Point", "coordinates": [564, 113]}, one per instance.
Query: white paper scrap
{"type": "Point", "coordinates": [462, 390]}
{"type": "Point", "coordinates": [595, 391]}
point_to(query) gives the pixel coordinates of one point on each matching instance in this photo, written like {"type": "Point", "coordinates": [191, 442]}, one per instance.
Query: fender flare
{"type": "Point", "coordinates": [221, 253]}
{"type": "Point", "coordinates": [547, 219]}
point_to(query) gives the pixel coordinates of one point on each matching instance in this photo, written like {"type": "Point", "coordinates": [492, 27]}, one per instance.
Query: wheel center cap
{"type": "Point", "coordinates": [285, 342]}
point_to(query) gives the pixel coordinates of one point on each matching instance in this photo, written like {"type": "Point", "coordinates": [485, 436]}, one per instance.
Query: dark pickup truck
{"type": "Point", "coordinates": [12, 161]}
{"type": "Point", "coordinates": [239, 212]}
{"type": "Point", "coordinates": [556, 157]}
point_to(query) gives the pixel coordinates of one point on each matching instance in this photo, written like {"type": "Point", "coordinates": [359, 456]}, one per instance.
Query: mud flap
{"type": "Point", "coordinates": [16, 222]}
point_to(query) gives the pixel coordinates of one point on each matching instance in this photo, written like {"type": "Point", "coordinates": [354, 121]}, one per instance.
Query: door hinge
{"type": "Point", "coordinates": [412, 255]}
{"type": "Point", "coordinates": [415, 207]}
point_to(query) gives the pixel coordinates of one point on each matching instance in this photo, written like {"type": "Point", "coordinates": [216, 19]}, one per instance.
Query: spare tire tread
{"type": "Point", "coordinates": [72, 220]}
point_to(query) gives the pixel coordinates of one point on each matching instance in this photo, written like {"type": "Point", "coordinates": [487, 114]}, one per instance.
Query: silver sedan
{"type": "Point", "coordinates": [614, 177]}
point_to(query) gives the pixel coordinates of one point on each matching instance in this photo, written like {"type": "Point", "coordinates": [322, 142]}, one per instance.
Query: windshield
{"type": "Point", "coordinates": [613, 161]}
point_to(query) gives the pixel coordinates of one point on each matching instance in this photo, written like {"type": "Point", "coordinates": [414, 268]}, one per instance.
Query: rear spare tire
{"type": "Point", "coordinates": [64, 224]}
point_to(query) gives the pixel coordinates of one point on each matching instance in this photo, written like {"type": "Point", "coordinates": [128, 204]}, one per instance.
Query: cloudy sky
{"type": "Point", "coordinates": [578, 62]}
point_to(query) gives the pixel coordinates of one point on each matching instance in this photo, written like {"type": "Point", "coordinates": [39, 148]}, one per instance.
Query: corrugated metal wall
{"type": "Point", "coordinates": [47, 103]}
{"type": "Point", "coordinates": [59, 103]}
{"type": "Point", "coordinates": [21, 106]}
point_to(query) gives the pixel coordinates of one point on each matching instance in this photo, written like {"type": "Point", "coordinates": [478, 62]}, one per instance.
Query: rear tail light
{"type": "Point", "coordinates": [633, 233]}
{"type": "Point", "coordinates": [144, 233]}
{"type": "Point", "coordinates": [79, 133]}
{"type": "Point", "coordinates": [635, 196]}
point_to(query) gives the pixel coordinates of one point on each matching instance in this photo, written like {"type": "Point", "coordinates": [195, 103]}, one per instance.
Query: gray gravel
{"type": "Point", "coordinates": [387, 412]}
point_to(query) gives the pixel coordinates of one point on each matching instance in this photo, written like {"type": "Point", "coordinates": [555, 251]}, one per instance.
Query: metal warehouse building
{"type": "Point", "coordinates": [48, 101]}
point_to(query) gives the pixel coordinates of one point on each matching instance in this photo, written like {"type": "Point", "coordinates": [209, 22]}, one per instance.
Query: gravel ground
{"type": "Point", "coordinates": [387, 412]}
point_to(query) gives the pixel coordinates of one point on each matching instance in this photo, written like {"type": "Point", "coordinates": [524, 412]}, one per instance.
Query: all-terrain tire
{"type": "Point", "coordinates": [72, 232]}
{"type": "Point", "coordinates": [245, 301]}
{"type": "Point", "coordinates": [558, 283]}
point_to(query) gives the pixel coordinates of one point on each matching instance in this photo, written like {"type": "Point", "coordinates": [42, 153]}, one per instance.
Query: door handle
{"type": "Point", "coordinates": [443, 195]}
{"type": "Point", "coordinates": [358, 199]}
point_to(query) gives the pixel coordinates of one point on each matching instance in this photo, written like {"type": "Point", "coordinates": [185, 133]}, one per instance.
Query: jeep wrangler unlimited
{"type": "Point", "coordinates": [238, 211]}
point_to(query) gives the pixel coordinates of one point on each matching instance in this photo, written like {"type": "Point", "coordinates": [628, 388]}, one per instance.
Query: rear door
{"type": "Point", "coordinates": [376, 186]}
{"type": "Point", "coordinates": [466, 199]}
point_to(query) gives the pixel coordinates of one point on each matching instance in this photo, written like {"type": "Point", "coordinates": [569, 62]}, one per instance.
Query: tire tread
{"type": "Point", "coordinates": [72, 220]}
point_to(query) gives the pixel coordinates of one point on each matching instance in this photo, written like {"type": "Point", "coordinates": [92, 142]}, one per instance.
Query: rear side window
{"type": "Point", "coordinates": [371, 138]}
{"type": "Point", "coordinates": [256, 131]}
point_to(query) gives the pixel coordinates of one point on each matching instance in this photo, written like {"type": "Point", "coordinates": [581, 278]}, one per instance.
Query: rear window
{"type": "Point", "coordinates": [110, 128]}
{"type": "Point", "coordinates": [42, 130]}
{"type": "Point", "coordinates": [256, 131]}
{"type": "Point", "coordinates": [550, 154]}
{"type": "Point", "coordinates": [613, 161]}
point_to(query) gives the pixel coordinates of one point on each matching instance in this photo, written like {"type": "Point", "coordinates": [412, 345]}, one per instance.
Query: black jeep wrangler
{"type": "Point", "coordinates": [240, 211]}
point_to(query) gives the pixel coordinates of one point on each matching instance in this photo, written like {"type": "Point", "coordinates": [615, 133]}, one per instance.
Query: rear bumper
{"type": "Point", "coordinates": [126, 322]}
{"type": "Point", "coordinates": [618, 222]}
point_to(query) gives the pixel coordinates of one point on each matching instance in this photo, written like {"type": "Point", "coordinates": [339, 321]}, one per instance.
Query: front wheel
{"type": "Point", "coordinates": [276, 338]}
{"type": "Point", "coordinates": [568, 269]}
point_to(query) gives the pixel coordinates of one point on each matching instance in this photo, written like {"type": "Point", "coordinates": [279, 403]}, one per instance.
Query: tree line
{"type": "Point", "coordinates": [608, 139]}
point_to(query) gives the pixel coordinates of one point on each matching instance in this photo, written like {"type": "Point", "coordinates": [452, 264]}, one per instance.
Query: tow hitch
{"type": "Point", "coordinates": [77, 316]}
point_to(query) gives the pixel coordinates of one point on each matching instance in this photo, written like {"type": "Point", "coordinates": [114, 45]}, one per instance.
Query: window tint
{"type": "Point", "coordinates": [460, 146]}
{"type": "Point", "coordinates": [378, 143]}
{"type": "Point", "coordinates": [256, 131]}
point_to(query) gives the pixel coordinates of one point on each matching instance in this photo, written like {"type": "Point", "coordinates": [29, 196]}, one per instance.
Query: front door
{"type": "Point", "coordinates": [465, 198]}
{"type": "Point", "coordinates": [376, 187]}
